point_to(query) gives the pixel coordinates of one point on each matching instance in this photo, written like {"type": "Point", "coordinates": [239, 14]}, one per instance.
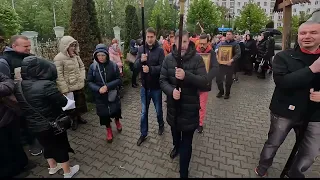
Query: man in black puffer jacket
{"type": "Point", "coordinates": [13, 158]}
{"type": "Point", "coordinates": [295, 73]}
{"type": "Point", "coordinates": [194, 77]}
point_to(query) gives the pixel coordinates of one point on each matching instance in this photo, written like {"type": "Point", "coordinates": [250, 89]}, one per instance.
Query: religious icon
{"type": "Point", "coordinates": [206, 59]}
{"type": "Point", "coordinates": [224, 54]}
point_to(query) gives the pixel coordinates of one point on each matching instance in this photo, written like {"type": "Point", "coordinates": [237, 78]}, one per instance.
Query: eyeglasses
{"type": "Point", "coordinates": [73, 45]}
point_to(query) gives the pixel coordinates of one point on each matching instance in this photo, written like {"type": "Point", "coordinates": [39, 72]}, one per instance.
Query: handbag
{"type": "Point", "coordinates": [260, 66]}
{"type": "Point", "coordinates": [59, 125]}
{"type": "Point", "coordinates": [131, 58]}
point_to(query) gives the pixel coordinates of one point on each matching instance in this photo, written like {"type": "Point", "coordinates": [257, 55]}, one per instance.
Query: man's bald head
{"type": "Point", "coordinates": [309, 35]}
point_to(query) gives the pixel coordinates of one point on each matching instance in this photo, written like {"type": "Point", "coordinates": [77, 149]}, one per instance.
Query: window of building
{"type": "Point", "coordinates": [232, 4]}
{"type": "Point", "coordinates": [224, 4]}
{"type": "Point", "coordinates": [238, 11]}
{"type": "Point", "coordinates": [265, 10]}
{"type": "Point", "coordinates": [239, 3]}
{"type": "Point", "coordinates": [265, 3]}
{"type": "Point", "coordinates": [279, 24]}
{"type": "Point", "coordinates": [308, 10]}
{"type": "Point", "coordinates": [258, 3]}
{"type": "Point", "coordinates": [245, 3]}
{"type": "Point", "coordinates": [294, 10]}
{"type": "Point", "coordinates": [316, 2]}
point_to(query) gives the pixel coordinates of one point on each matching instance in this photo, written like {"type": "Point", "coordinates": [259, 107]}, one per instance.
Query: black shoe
{"type": "Point", "coordinates": [174, 153]}
{"type": "Point", "coordinates": [74, 125]}
{"type": "Point", "coordinates": [200, 129]}
{"type": "Point", "coordinates": [161, 130]}
{"type": "Point", "coordinates": [82, 121]}
{"type": "Point", "coordinates": [134, 85]}
{"type": "Point", "coordinates": [226, 96]}
{"type": "Point", "coordinates": [141, 140]}
{"type": "Point", "coordinates": [219, 95]}
{"type": "Point", "coordinates": [35, 151]}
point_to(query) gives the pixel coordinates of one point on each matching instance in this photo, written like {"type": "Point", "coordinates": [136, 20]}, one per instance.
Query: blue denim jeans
{"type": "Point", "coordinates": [156, 96]}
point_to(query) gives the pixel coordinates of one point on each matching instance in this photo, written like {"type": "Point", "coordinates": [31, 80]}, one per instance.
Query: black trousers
{"type": "Point", "coordinates": [225, 71]}
{"type": "Point", "coordinates": [135, 73]}
{"type": "Point", "coordinates": [13, 158]}
{"type": "Point", "coordinates": [182, 140]}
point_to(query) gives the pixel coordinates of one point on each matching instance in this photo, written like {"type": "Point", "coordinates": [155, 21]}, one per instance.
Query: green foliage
{"type": "Point", "coordinates": [294, 25]}
{"type": "Point", "coordinates": [132, 28]}
{"type": "Point", "coordinates": [37, 15]}
{"type": "Point", "coordinates": [206, 13]}
{"type": "Point", "coordinates": [95, 30]}
{"type": "Point", "coordinates": [80, 30]}
{"type": "Point", "coordinates": [163, 16]}
{"type": "Point", "coordinates": [224, 12]}
{"type": "Point", "coordinates": [270, 24]}
{"type": "Point", "coordinates": [10, 21]}
{"type": "Point", "coordinates": [252, 18]}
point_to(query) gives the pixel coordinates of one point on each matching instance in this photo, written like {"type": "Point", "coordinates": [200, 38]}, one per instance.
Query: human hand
{"type": "Point", "coordinates": [230, 62]}
{"type": "Point", "coordinates": [176, 94]}
{"type": "Point", "coordinates": [144, 57]}
{"type": "Point", "coordinates": [314, 95]}
{"type": "Point", "coordinates": [180, 74]}
{"type": "Point", "coordinates": [315, 67]}
{"type": "Point", "coordinates": [145, 68]}
{"type": "Point", "coordinates": [103, 89]}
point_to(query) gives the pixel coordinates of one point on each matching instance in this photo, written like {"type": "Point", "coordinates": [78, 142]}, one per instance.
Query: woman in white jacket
{"type": "Point", "coordinates": [71, 76]}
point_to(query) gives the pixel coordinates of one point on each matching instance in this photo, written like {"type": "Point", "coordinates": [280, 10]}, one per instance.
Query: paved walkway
{"type": "Point", "coordinates": [234, 133]}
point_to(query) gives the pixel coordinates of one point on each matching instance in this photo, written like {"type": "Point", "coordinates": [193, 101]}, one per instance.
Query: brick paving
{"type": "Point", "coordinates": [234, 133]}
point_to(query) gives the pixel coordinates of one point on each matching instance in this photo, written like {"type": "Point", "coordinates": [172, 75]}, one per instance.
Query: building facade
{"type": "Point", "coordinates": [235, 7]}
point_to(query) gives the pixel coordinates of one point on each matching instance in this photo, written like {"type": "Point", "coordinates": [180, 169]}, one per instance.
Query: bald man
{"type": "Point", "coordinates": [296, 75]}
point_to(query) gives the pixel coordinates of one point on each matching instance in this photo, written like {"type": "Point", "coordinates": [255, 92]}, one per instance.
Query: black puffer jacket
{"type": "Point", "coordinates": [8, 110]}
{"type": "Point", "coordinates": [40, 90]}
{"type": "Point", "coordinates": [195, 79]}
{"type": "Point", "coordinates": [262, 50]}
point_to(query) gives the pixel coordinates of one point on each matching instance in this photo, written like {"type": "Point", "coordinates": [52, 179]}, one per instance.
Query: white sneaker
{"type": "Point", "coordinates": [73, 171]}
{"type": "Point", "coordinates": [55, 170]}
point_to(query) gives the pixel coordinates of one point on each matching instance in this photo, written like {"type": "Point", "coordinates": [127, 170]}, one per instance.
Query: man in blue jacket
{"type": "Point", "coordinates": [151, 73]}
{"type": "Point", "coordinates": [228, 69]}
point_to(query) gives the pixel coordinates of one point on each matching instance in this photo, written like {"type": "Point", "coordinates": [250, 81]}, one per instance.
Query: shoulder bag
{"type": "Point", "coordinates": [59, 125]}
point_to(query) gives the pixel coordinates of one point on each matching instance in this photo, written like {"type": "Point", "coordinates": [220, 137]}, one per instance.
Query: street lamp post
{"type": "Point", "coordinates": [12, 1]}
{"type": "Point", "coordinates": [59, 32]}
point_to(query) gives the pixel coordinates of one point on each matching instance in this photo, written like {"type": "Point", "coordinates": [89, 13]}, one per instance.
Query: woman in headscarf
{"type": "Point", "coordinates": [104, 81]}
{"type": "Point", "coordinates": [249, 54]}
{"type": "Point", "coordinates": [71, 77]}
{"type": "Point", "coordinates": [41, 103]}
{"type": "Point", "coordinates": [263, 55]}
{"type": "Point", "coordinates": [115, 56]}
{"type": "Point", "coordinates": [133, 51]}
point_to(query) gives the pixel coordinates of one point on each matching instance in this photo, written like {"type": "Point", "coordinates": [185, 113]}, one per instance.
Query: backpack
{"type": "Point", "coordinates": [4, 61]}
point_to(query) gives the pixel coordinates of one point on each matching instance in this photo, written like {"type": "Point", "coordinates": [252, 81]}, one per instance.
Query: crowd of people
{"type": "Point", "coordinates": [36, 92]}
